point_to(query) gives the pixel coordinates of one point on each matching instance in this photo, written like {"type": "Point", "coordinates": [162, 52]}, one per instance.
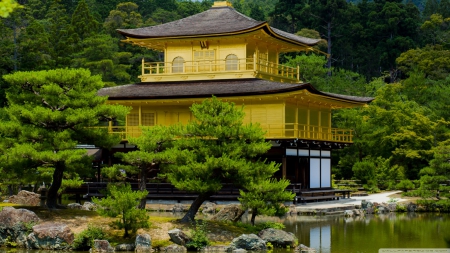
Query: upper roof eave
{"type": "Point", "coordinates": [184, 28]}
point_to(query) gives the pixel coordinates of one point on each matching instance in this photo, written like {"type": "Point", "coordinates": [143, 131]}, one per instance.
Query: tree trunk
{"type": "Point", "coordinates": [143, 186]}
{"type": "Point", "coordinates": [10, 190]}
{"type": "Point", "coordinates": [52, 195]}
{"type": "Point", "coordinates": [190, 215]}
{"type": "Point", "coordinates": [254, 213]}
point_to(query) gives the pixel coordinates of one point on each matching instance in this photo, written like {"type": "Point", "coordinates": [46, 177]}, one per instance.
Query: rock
{"type": "Point", "coordinates": [358, 212]}
{"type": "Point", "coordinates": [5, 201]}
{"type": "Point", "coordinates": [15, 224]}
{"type": "Point", "coordinates": [363, 204]}
{"type": "Point", "coordinates": [50, 236]}
{"type": "Point", "coordinates": [248, 242]}
{"type": "Point", "coordinates": [411, 207]}
{"type": "Point", "coordinates": [209, 207]}
{"type": "Point", "coordinates": [349, 213]}
{"type": "Point", "coordinates": [392, 207]}
{"type": "Point", "coordinates": [232, 212]}
{"type": "Point", "coordinates": [213, 249]}
{"type": "Point", "coordinates": [101, 246]}
{"type": "Point", "coordinates": [125, 247]}
{"type": "Point", "coordinates": [174, 248]}
{"type": "Point", "coordinates": [382, 209]}
{"type": "Point", "coordinates": [89, 206]}
{"type": "Point", "coordinates": [304, 249]}
{"type": "Point", "coordinates": [370, 210]}
{"type": "Point", "coordinates": [292, 209]}
{"type": "Point", "coordinates": [177, 236]}
{"type": "Point", "coordinates": [178, 208]}
{"type": "Point", "coordinates": [239, 251]}
{"type": "Point", "coordinates": [278, 237]}
{"type": "Point", "coordinates": [143, 243]}
{"type": "Point", "coordinates": [25, 198]}
{"type": "Point", "coordinates": [74, 206]}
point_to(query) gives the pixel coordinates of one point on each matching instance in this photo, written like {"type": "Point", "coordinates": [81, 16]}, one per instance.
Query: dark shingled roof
{"type": "Point", "coordinates": [218, 20]}
{"type": "Point", "coordinates": [219, 88]}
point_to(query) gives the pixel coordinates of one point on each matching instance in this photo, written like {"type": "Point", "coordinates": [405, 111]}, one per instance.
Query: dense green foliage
{"type": "Point", "coordinates": [265, 195]}
{"type": "Point", "coordinates": [49, 114]}
{"type": "Point", "coordinates": [214, 149]}
{"type": "Point", "coordinates": [121, 203]}
{"type": "Point", "coordinates": [370, 43]}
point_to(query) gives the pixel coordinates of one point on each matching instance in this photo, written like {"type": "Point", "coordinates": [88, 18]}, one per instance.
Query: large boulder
{"type": "Point", "coordinates": [248, 242]}
{"type": "Point", "coordinates": [15, 224]}
{"type": "Point", "coordinates": [101, 246]}
{"type": "Point", "coordinates": [232, 212]}
{"type": "Point", "coordinates": [177, 236]}
{"type": "Point", "coordinates": [25, 198]}
{"type": "Point", "coordinates": [143, 243]}
{"type": "Point", "coordinates": [50, 236]}
{"type": "Point", "coordinates": [278, 237]}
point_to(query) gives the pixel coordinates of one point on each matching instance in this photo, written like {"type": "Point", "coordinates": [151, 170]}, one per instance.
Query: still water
{"type": "Point", "coordinates": [337, 234]}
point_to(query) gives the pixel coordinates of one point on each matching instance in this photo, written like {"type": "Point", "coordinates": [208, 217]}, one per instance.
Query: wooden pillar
{"type": "Point", "coordinates": [283, 166]}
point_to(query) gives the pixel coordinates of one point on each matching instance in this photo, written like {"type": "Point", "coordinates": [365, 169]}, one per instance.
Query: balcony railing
{"type": "Point", "coordinates": [273, 131]}
{"type": "Point", "coordinates": [217, 67]}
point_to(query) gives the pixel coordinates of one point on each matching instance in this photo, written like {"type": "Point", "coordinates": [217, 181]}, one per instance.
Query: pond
{"type": "Point", "coordinates": [338, 234]}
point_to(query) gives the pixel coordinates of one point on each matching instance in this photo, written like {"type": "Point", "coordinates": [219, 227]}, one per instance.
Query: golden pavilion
{"type": "Point", "coordinates": [224, 53]}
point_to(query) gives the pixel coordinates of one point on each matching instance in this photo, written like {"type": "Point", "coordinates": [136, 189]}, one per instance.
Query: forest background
{"type": "Point", "coordinates": [396, 51]}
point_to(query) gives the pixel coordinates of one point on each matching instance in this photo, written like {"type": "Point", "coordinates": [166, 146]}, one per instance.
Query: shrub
{"type": "Point", "coordinates": [405, 185]}
{"type": "Point", "coordinates": [199, 237]}
{"type": "Point", "coordinates": [270, 224]}
{"type": "Point", "coordinates": [122, 203]}
{"type": "Point", "coordinates": [85, 239]}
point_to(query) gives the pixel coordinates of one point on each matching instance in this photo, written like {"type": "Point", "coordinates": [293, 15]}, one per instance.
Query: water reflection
{"type": "Point", "coordinates": [335, 234]}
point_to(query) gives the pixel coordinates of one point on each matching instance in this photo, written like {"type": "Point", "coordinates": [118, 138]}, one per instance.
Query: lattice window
{"type": "Point", "coordinates": [133, 119]}
{"type": "Point", "coordinates": [204, 55]}
{"type": "Point", "coordinates": [148, 119]}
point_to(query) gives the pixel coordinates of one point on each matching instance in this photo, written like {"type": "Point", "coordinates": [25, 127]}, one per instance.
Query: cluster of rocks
{"type": "Point", "coordinates": [21, 228]}
{"type": "Point", "coordinates": [276, 237]}
{"type": "Point", "coordinates": [18, 228]}
{"type": "Point", "coordinates": [380, 208]}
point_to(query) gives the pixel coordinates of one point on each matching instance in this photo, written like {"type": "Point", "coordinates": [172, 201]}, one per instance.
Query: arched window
{"type": "Point", "coordinates": [177, 65]}
{"type": "Point", "coordinates": [231, 62]}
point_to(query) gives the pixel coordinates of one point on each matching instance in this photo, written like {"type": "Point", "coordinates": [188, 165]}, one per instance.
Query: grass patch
{"type": "Point", "coordinates": [160, 243]}
{"type": "Point", "coordinates": [8, 204]}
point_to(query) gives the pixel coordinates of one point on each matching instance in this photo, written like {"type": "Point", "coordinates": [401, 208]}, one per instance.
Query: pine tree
{"type": "Point", "coordinates": [154, 146]}
{"type": "Point", "coordinates": [214, 149]}
{"type": "Point", "coordinates": [50, 112]}
{"type": "Point", "coordinates": [265, 196]}
{"type": "Point", "coordinates": [121, 202]}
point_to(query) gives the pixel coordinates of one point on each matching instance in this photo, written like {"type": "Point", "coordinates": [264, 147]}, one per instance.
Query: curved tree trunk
{"type": "Point", "coordinates": [52, 195]}
{"type": "Point", "coordinates": [190, 215]}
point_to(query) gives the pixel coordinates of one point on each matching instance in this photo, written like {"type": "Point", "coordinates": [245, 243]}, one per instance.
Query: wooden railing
{"type": "Point", "coordinates": [273, 131]}
{"type": "Point", "coordinates": [215, 66]}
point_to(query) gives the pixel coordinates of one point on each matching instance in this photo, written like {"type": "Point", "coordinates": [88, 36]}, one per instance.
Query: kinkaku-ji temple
{"type": "Point", "coordinates": [221, 52]}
